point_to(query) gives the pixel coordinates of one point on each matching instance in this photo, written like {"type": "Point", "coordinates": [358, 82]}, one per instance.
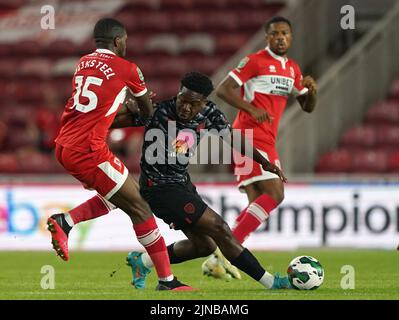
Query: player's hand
{"type": "Point", "coordinates": [267, 166]}
{"type": "Point", "coordinates": [310, 83]}
{"type": "Point", "coordinates": [132, 105]}
{"type": "Point", "coordinates": [261, 115]}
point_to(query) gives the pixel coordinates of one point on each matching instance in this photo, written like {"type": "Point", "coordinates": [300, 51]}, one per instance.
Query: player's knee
{"type": "Point", "coordinates": [138, 211]}
{"type": "Point", "coordinates": [221, 230]}
{"type": "Point", "coordinates": [206, 248]}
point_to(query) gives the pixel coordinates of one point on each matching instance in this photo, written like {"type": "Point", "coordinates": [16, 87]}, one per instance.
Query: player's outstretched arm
{"type": "Point", "coordinates": [308, 100]}
{"type": "Point", "coordinates": [227, 91]}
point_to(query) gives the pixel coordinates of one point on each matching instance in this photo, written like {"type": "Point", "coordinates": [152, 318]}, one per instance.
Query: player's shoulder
{"type": "Point", "coordinates": [211, 110]}
{"type": "Point", "coordinates": [164, 107]}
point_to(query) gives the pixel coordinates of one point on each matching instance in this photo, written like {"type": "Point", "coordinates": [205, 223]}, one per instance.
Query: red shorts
{"type": "Point", "coordinates": [249, 171]}
{"type": "Point", "coordinates": [100, 170]}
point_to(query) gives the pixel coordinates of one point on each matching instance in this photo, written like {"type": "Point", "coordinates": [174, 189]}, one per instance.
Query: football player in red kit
{"type": "Point", "coordinates": [100, 84]}
{"type": "Point", "coordinates": [266, 79]}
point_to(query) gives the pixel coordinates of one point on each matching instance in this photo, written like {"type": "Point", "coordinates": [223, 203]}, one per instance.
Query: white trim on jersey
{"type": "Point", "coordinates": [282, 60]}
{"type": "Point", "coordinates": [265, 175]}
{"type": "Point", "coordinates": [120, 97]}
{"type": "Point", "coordinates": [298, 93]}
{"type": "Point", "coordinates": [141, 93]}
{"type": "Point", "coordinates": [105, 51]}
{"type": "Point", "coordinates": [237, 79]}
{"type": "Point", "coordinates": [263, 84]}
{"type": "Point", "coordinates": [115, 176]}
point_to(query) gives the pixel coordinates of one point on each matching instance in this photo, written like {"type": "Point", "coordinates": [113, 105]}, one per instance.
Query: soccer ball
{"type": "Point", "coordinates": [305, 273]}
{"type": "Point", "coordinates": [212, 267]}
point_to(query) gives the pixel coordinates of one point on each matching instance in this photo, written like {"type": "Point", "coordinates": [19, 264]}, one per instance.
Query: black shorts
{"type": "Point", "coordinates": [180, 206]}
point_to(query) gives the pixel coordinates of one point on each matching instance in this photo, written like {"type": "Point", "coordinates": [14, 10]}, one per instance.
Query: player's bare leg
{"type": "Point", "coordinates": [128, 199]}
{"type": "Point", "coordinates": [265, 195]}
{"type": "Point", "coordinates": [213, 226]}
{"type": "Point", "coordinates": [61, 224]}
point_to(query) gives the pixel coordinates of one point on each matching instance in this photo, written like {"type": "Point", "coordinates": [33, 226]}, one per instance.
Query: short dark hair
{"type": "Point", "coordinates": [106, 30]}
{"type": "Point", "coordinates": [276, 19]}
{"type": "Point", "coordinates": [198, 82]}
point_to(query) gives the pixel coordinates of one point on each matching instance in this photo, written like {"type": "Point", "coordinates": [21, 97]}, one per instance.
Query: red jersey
{"type": "Point", "coordinates": [99, 88]}
{"type": "Point", "coordinates": [266, 81]}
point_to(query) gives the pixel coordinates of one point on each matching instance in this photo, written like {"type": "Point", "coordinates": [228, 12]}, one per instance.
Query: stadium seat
{"type": "Point", "coordinates": [8, 68]}
{"type": "Point", "coordinates": [339, 160]}
{"type": "Point", "coordinates": [394, 90]}
{"type": "Point", "coordinates": [163, 43]}
{"type": "Point", "coordinates": [370, 161]}
{"type": "Point", "coordinates": [35, 68]}
{"type": "Point", "coordinates": [61, 48]}
{"type": "Point", "coordinates": [188, 22]}
{"type": "Point", "coordinates": [195, 43]}
{"type": "Point", "coordinates": [360, 136]}
{"type": "Point", "coordinates": [383, 113]}
{"type": "Point", "coordinates": [135, 46]}
{"type": "Point", "coordinates": [27, 48]}
{"type": "Point", "coordinates": [8, 163]}
{"type": "Point", "coordinates": [176, 4]}
{"type": "Point", "coordinates": [153, 21]}
{"type": "Point", "coordinates": [230, 42]}
{"type": "Point", "coordinates": [393, 162]}
{"type": "Point", "coordinates": [221, 21]}
{"type": "Point", "coordinates": [35, 162]}
{"type": "Point", "coordinates": [388, 136]}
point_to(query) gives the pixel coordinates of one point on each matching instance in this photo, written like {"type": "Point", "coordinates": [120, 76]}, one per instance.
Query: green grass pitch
{"type": "Point", "coordinates": [88, 276]}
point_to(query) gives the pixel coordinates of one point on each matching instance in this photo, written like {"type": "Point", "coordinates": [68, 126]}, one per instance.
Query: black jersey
{"type": "Point", "coordinates": [169, 143]}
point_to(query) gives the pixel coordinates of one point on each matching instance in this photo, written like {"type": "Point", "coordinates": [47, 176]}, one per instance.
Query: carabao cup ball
{"type": "Point", "coordinates": [305, 273]}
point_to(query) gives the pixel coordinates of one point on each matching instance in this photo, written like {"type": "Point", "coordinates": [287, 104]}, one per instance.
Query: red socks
{"type": "Point", "coordinates": [257, 212]}
{"type": "Point", "coordinates": [149, 236]}
{"type": "Point", "coordinates": [92, 208]}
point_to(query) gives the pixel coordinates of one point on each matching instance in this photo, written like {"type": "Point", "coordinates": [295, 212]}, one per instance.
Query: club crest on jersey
{"type": "Point", "coordinates": [272, 68]}
{"type": "Point", "coordinates": [292, 72]}
{"type": "Point", "coordinates": [242, 63]}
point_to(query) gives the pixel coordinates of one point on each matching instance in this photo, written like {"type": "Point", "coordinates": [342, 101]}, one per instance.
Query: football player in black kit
{"type": "Point", "coordinates": [166, 184]}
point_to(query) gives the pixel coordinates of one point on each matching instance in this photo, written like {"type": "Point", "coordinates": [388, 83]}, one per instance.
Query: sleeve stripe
{"type": "Point", "coordinates": [141, 93]}
{"type": "Point", "coordinates": [300, 93]}
{"type": "Point", "coordinates": [237, 79]}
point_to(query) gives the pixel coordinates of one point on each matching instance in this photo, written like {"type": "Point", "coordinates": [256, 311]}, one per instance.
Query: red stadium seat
{"type": "Point", "coordinates": [388, 136]}
{"type": "Point", "coordinates": [207, 65]}
{"type": "Point", "coordinates": [27, 48]}
{"type": "Point", "coordinates": [231, 42]}
{"type": "Point", "coordinates": [135, 45]}
{"type": "Point", "coordinates": [394, 90]}
{"type": "Point", "coordinates": [176, 4]}
{"type": "Point", "coordinates": [35, 68]}
{"type": "Point", "coordinates": [211, 4]}
{"type": "Point", "coordinates": [8, 68]}
{"type": "Point", "coordinates": [141, 5]}
{"type": "Point", "coordinates": [336, 161]}
{"type": "Point", "coordinates": [383, 113]}
{"type": "Point", "coordinates": [360, 136]}
{"type": "Point", "coordinates": [153, 21]}
{"type": "Point", "coordinates": [35, 162]}
{"type": "Point", "coordinates": [393, 162]}
{"type": "Point", "coordinates": [61, 48]}
{"type": "Point", "coordinates": [370, 161]}
{"type": "Point", "coordinates": [221, 21]}
{"type": "Point", "coordinates": [254, 19]}
{"type": "Point", "coordinates": [188, 22]}
{"type": "Point", "coordinates": [198, 43]}
{"type": "Point", "coordinates": [163, 43]}
{"type": "Point", "coordinates": [8, 163]}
